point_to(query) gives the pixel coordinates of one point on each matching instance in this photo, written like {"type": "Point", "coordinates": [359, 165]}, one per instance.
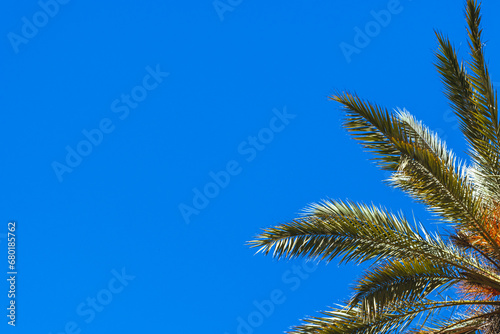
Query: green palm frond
{"type": "Point", "coordinates": [394, 319]}
{"type": "Point", "coordinates": [346, 320]}
{"type": "Point", "coordinates": [463, 241]}
{"type": "Point", "coordinates": [357, 232]}
{"type": "Point", "coordinates": [423, 137]}
{"type": "Point", "coordinates": [396, 140]}
{"type": "Point", "coordinates": [486, 97]}
{"type": "Point", "coordinates": [453, 325]}
{"type": "Point", "coordinates": [459, 91]}
{"type": "Point", "coordinates": [487, 156]}
{"type": "Point", "coordinates": [409, 266]}
{"type": "Point", "coordinates": [422, 165]}
{"type": "Point", "coordinates": [463, 324]}
{"type": "Point", "coordinates": [475, 103]}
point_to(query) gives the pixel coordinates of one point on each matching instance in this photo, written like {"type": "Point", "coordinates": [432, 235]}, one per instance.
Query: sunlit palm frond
{"type": "Point", "coordinates": [474, 101]}
{"type": "Point", "coordinates": [486, 97]}
{"type": "Point", "coordinates": [396, 319]}
{"type": "Point", "coordinates": [420, 163]}
{"type": "Point", "coordinates": [347, 320]}
{"type": "Point", "coordinates": [409, 266]}
{"type": "Point", "coordinates": [423, 137]}
{"type": "Point", "coordinates": [357, 232]}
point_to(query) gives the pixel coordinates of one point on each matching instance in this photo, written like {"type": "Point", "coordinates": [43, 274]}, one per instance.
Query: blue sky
{"type": "Point", "coordinates": [146, 142]}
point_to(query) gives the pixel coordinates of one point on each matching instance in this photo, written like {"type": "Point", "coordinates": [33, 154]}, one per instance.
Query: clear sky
{"type": "Point", "coordinates": [144, 142]}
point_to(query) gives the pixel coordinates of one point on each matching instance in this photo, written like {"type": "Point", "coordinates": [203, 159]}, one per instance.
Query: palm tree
{"type": "Point", "coordinates": [402, 291]}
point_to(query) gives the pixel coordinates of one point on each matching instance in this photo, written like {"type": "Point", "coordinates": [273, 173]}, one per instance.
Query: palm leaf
{"type": "Point", "coordinates": [410, 265]}
{"type": "Point", "coordinates": [421, 164]}
{"type": "Point", "coordinates": [474, 101]}
{"type": "Point", "coordinates": [357, 232]}
{"type": "Point", "coordinates": [406, 280]}
{"type": "Point", "coordinates": [395, 319]}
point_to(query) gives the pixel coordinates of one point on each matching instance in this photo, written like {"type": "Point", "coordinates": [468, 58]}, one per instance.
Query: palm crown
{"type": "Point", "coordinates": [401, 291]}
